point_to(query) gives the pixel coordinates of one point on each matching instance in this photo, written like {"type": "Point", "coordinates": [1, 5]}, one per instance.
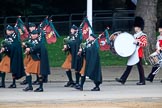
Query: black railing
{"type": "Point", "coordinates": [116, 19]}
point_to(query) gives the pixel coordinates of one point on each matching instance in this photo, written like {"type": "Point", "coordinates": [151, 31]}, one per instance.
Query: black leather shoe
{"type": "Point", "coordinates": [45, 80]}
{"type": "Point", "coordinates": [79, 88]}
{"type": "Point", "coordinates": [120, 80]}
{"type": "Point", "coordinates": [12, 86]}
{"type": "Point", "coordinates": [28, 89]}
{"type": "Point", "coordinates": [35, 83]}
{"type": "Point", "coordinates": [76, 85]}
{"type": "Point", "coordinates": [69, 84]}
{"type": "Point", "coordinates": [23, 82]}
{"type": "Point", "coordinates": [95, 89]}
{"type": "Point", "coordinates": [140, 83]}
{"type": "Point", "coordinates": [38, 90]}
{"type": "Point", "coordinates": [149, 79]}
{"type": "Point", "coordinates": [72, 85]}
{"type": "Point", "coordinates": [2, 86]}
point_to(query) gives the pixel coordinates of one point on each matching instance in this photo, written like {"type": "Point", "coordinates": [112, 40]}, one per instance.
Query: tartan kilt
{"type": "Point", "coordinates": [27, 58]}
{"type": "Point", "coordinates": [67, 63]}
{"type": "Point", "coordinates": [82, 71]}
{"type": "Point", "coordinates": [33, 67]}
{"type": "Point", "coordinates": [5, 64]}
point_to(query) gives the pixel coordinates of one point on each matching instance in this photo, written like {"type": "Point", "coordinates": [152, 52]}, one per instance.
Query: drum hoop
{"type": "Point", "coordinates": [118, 32]}
{"type": "Point", "coordinates": [132, 44]}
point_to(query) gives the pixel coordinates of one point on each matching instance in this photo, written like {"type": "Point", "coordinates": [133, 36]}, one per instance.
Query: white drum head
{"type": "Point", "coordinates": [123, 44]}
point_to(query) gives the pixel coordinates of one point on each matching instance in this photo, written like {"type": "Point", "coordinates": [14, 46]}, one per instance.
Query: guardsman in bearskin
{"type": "Point", "coordinates": [158, 50]}
{"type": "Point", "coordinates": [141, 42]}
{"type": "Point", "coordinates": [91, 66]}
{"type": "Point", "coordinates": [12, 61]}
{"type": "Point", "coordinates": [71, 46]}
{"type": "Point", "coordinates": [38, 63]}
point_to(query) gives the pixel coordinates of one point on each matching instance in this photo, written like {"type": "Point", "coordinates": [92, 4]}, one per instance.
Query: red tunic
{"type": "Point", "coordinates": [142, 39]}
{"type": "Point", "coordinates": [159, 42]}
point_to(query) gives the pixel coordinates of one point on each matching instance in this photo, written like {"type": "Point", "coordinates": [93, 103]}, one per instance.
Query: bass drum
{"type": "Point", "coordinates": [123, 44]}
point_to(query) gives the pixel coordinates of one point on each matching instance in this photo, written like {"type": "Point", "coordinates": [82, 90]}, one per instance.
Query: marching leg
{"type": "Point", "coordinates": [40, 88]}
{"type": "Point", "coordinates": [2, 85]}
{"type": "Point", "coordinates": [77, 75]}
{"type": "Point", "coordinates": [141, 73]}
{"type": "Point", "coordinates": [13, 85]}
{"type": "Point", "coordinates": [36, 82]}
{"type": "Point", "coordinates": [29, 81]}
{"type": "Point", "coordinates": [45, 79]}
{"type": "Point", "coordinates": [70, 83]}
{"type": "Point", "coordinates": [96, 88]}
{"type": "Point", "coordinates": [24, 82]}
{"type": "Point", "coordinates": [83, 78]}
{"type": "Point", "coordinates": [1, 78]}
{"type": "Point", "coordinates": [125, 75]}
{"type": "Point", "coordinates": [151, 75]}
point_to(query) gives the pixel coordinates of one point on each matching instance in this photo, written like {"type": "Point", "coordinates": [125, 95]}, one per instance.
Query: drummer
{"type": "Point", "coordinates": [158, 50]}
{"type": "Point", "coordinates": [141, 42]}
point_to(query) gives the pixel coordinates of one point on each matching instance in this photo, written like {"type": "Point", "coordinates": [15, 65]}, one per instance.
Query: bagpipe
{"type": "Point", "coordinates": [85, 44]}
{"type": "Point", "coordinates": [69, 39]}
{"type": "Point", "coordinates": [4, 43]}
{"type": "Point", "coordinates": [65, 43]}
{"type": "Point", "coordinates": [27, 44]}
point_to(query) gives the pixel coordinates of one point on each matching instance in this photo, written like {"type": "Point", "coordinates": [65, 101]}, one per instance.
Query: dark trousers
{"type": "Point", "coordinates": [151, 75]}
{"type": "Point", "coordinates": [140, 70]}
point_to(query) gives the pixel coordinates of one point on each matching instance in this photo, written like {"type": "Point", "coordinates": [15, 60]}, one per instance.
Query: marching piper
{"type": "Point", "coordinates": [38, 61]}
{"type": "Point", "coordinates": [71, 45]}
{"type": "Point", "coordinates": [91, 66]}
{"type": "Point", "coordinates": [32, 27]}
{"type": "Point", "coordinates": [12, 61]}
